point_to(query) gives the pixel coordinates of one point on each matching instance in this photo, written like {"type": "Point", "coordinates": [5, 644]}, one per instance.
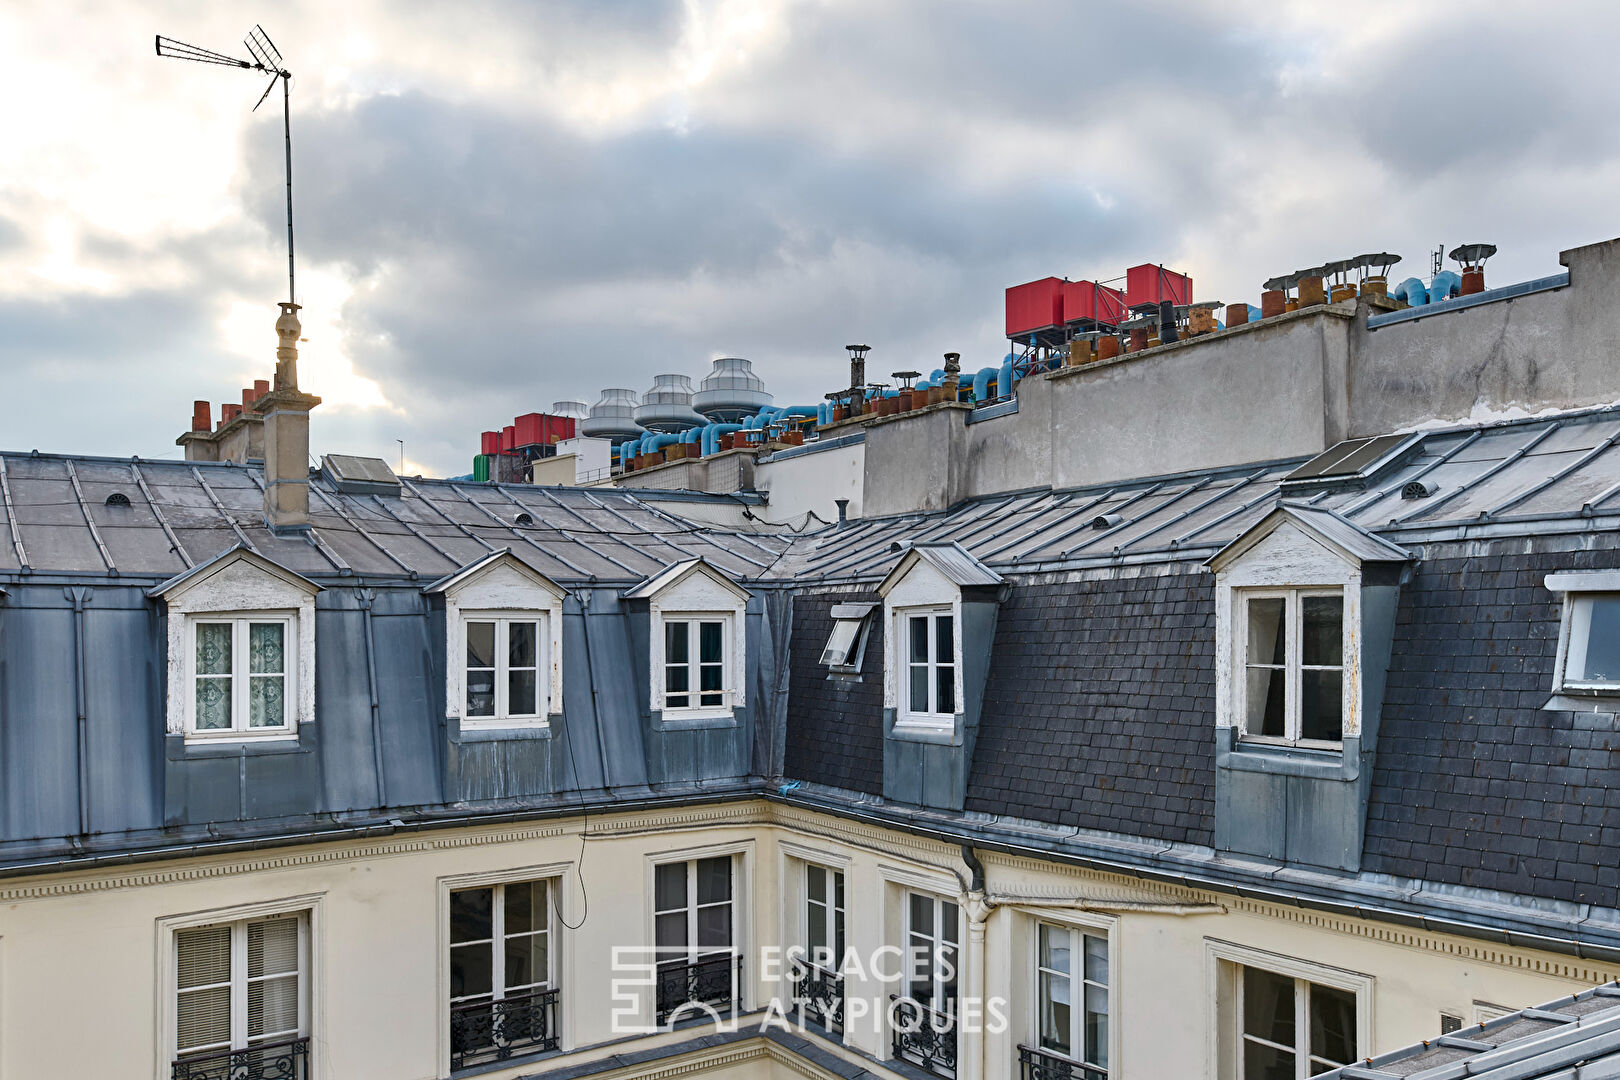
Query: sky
{"type": "Point", "coordinates": [504, 204]}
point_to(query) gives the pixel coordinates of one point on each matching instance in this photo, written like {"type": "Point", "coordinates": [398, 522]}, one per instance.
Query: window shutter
{"type": "Point", "coordinates": [203, 1005]}
{"type": "Point", "coordinates": [272, 961]}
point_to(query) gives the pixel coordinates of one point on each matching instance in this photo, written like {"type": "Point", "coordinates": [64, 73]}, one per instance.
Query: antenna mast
{"type": "Point", "coordinates": [266, 60]}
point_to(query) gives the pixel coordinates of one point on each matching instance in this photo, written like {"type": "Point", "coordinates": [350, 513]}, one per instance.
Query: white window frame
{"type": "Point", "coordinates": [935, 940]}
{"type": "Point", "coordinates": [729, 695]}
{"type": "Point", "coordinates": [311, 1002]}
{"type": "Point", "coordinates": [503, 716]}
{"type": "Point", "coordinates": [1077, 987]}
{"type": "Point", "coordinates": [497, 941]}
{"type": "Point", "coordinates": [1293, 667]}
{"type": "Point", "coordinates": [239, 621]}
{"type": "Point", "coordinates": [694, 952]}
{"type": "Point", "coordinates": [1224, 961]}
{"type": "Point", "coordinates": [905, 716]}
{"type": "Point", "coordinates": [832, 908]}
{"type": "Point", "coordinates": [1580, 589]}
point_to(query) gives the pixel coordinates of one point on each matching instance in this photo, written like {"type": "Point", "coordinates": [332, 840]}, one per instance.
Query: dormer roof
{"type": "Point", "coordinates": [950, 559]}
{"type": "Point", "coordinates": [1349, 541]}
{"type": "Point", "coordinates": [499, 557]}
{"type": "Point", "coordinates": [230, 557]}
{"type": "Point", "coordinates": [679, 572]}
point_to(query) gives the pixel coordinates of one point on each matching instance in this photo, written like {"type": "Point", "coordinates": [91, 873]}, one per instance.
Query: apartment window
{"type": "Point", "coordinates": [240, 1000]}
{"type": "Point", "coordinates": [242, 676]}
{"type": "Point", "coordinates": [697, 671]}
{"type": "Point", "coordinates": [505, 665]}
{"type": "Point", "coordinates": [503, 995]}
{"type": "Point", "coordinates": [930, 638]}
{"type": "Point", "coordinates": [846, 645]}
{"type": "Point", "coordinates": [819, 982]}
{"type": "Point", "coordinates": [1071, 992]}
{"type": "Point", "coordinates": [1293, 666]}
{"type": "Point", "coordinates": [924, 1019]}
{"type": "Point", "coordinates": [1292, 1028]}
{"type": "Point", "coordinates": [1592, 651]}
{"type": "Point", "coordinates": [694, 928]}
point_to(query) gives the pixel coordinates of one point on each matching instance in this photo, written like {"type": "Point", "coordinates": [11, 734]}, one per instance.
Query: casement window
{"type": "Point", "coordinates": [1291, 1028]}
{"type": "Point", "coordinates": [930, 670]}
{"type": "Point", "coordinates": [1589, 635]}
{"type": "Point", "coordinates": [505, 666]}
{"type": "Point", "coordinates": [242, 672]}
{"type": "Point", "coordinates": [824, 916]}
{"type": "Point", "coordinates": [697, 668]}
{"type": "Point", "coordinates": [502, 971]}
{"type": "Point", "coordinates": [932, 958]}
{"type": "Point", "coordinates": [1293, 665]}
{"type": "Point", "coordinates": [241, 998]}
{"type": "Point", "coordinates": [846, 645]}
{"type": "Point", "coordinates": [1071, 994]}
{"type": "Point", "coordinates": [695, 931]}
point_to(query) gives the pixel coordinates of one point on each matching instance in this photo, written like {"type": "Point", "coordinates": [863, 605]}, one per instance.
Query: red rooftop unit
{"type": "Point", "coordinates": [1088, 302]}
{"type": "Point", "coordinates": [489, 442]}
{"type": "Point", "coordinates": [1035, 305]}
{"type": "Point", "coordinates": [542, 429]}
{"type": "Point", "coordinates": [1151, 283]}
{"type": "Point", "coordinates": [508, 438]}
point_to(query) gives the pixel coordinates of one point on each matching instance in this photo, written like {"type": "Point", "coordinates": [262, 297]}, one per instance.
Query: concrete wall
{"type": "Point", "coordinates": [811, 479]}
{"type": "Point", "coordinates": [379, 975]}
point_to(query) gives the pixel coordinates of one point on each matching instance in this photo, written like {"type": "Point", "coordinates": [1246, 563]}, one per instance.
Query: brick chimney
{"type": "Point", "coordinates": [286, 432]}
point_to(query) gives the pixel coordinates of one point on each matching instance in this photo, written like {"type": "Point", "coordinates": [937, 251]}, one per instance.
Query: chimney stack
{"type": "Point", "coordinates": [286, 432]}
{"type": "Point", "coordinates": [202, 416]}
{"type": "Point", "coordinates": [953, 375]}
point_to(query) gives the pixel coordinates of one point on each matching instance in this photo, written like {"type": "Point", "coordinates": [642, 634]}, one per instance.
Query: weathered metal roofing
{"type": "Point", "coordinates": [662, 580]}
{"type": "Point", "coordinates": [1352, 542]}
{"type": "Point", "coordinates": [56, 518]}
{"type": "Point", "coordinates": [950, 559]}
{"type": "Point", "coordinates": [1573, 1038]}
{"type": "Point", "coordinates": [240, 551]}
{"type": "Point", "coordinates": [1542, 475]}
{"type": "Point", "coordinates": [450, 580]}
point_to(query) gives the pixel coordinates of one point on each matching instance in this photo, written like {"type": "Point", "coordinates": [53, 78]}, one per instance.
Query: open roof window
{"type": "Point", "coordinates": [1589, 638]}
{"type": "Point", "coordinates": [846, 645]}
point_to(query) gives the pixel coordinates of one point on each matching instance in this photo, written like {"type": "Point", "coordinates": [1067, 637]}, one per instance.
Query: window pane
{"type": "Point", "coordinates": [919, 688]}
{"type": "Point", "coordinates": [922, 915]}
{"type": "Point", "coordinates": [1322, 638]}
{"type": "Point", "coordinates": [471, 917]}
{"type": "Point", "coordinates": [1097, 1025]}
{"type": "Point", "coordinates": [1333, 1025]}
{"type": "Point", "coordinates": [521, 642]}
{"type": "Point", "coordinates": [1055, 948]}
{"type": "Point", "coordinates": [202, 1018]}
{"type": "Point", "coordinates": [838, 889]}
{"type": "Point", "coordinates": [481, 693]}
{"type": "Point", "coordinates": [521, 693]}
{"type": "Point", "coordinates": [714, 927]}
{"type": "Point", "coordinates": [842, 642]}
{"type": "Point", "coordinates": [480, 644]}
{"type": "Point", "coordinates": [272, 947]}
{"type": "Point", "coordinates": [815, 882]}
{"type": "Point", "coordinates": [670, 931]}
{"type": "Point", "coordinates": [677, 678]}
{"type": "Point", "coordinates": [1602, 642]}
{"type": "Point", "coordinates": [470, 970]}
{"type": "Point", "coordinates": [709, 677]}
{"type": "Point", "coordinates": [525, 907]}
{"type": "Point", "coordinates": [919, 638]}
{"type": "Point", "coordinates": [1321, 705]}
{"type": "Point", "coordinates": [675, 643]}
{"type": "Point", "coordinates": [816, 924]}
{"type": "Point", "coordinates": [714, 879]}
{"type": "Point", "coordinates": [1056, 1019]}
{"type": "Point", "coordinates": [266, 648]}
{"type": "Point", "coordinates": [526, 960]}
{"type": "Point", "coordinates": [1268, 640]}
{"type": "Point", "coordinates": [213, 703]}
{"type": "Point", "coordinates": [711, 639]}
{"type": "Point", "coordinates": [1097, 959]}
{"type": "Point", "coordinates": [213, 648]}
{"type": "Point", "coordinates": [945, 689]}
{"type": "Point", "coordinates": [1268, 1006]}
{"type": "Point", "coordinates": [266, 707]}
{"type": "Point", "coordinates": [204, 956]}
{"type": "Point", "coordinates": [669, 886]}
{"type": "Point", "coordinates": [272, 1006]}
{"type": "Point", "coordinates": [947, 921]}
{"type": "Point", "coordinates": [1265, 702]}
{"type": "Point", "coordinates": [1266, 1063]}
{"type": "Point", "coordinates": [945, 639]}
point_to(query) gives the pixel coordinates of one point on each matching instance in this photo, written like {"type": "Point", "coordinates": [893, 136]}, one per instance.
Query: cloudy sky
{"type": "Point", "coordinates": [502, 204]}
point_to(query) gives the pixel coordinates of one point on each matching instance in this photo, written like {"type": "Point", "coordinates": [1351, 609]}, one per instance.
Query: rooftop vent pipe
{"type": "Point", "coordinates": [1472, 259]}
{"type": "Point", "coordinates": [857, 365]}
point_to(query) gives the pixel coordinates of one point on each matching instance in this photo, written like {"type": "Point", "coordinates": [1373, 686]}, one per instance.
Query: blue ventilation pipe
{"type": "Point", "coordinates": [711, 437]}
{"type": "Point", "coordinates": [1444, 286]}
{"type": "Point", "coordinates": [1004, 381]}
{"type": "Point", "coordinates": [1412, 291]}
{"type": "Point", "coordinates": [1254, 313]}
{"type": "Point", "coordinates": [981, 382]}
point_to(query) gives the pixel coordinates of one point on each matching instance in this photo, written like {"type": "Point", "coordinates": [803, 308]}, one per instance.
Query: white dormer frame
{"type": "Point", "coordinates": [239, 584]}
{"type": "Point", "coordinates": [918, 586]}
{"type": "Point", "coordinates": [1579, 589]}
{"type": "Point", "coordinates": [501, 587]}
{"type": "Point", "coordinates": [694, 591]}
{"type": "Point", "coordinates": [1290, 553]}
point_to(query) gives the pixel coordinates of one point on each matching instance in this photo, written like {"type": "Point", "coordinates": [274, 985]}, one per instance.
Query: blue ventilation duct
{"type": "Point", "coordinates": [711, 437]}
{"type": "Point", "coordinates": [1004, 380]}
{"type": "Point", "coordinates": [981, 383]}
{"type": "Point", "coordinates": [1412, 291]}
{"type": "Point", "coordinates": [1444, 286]}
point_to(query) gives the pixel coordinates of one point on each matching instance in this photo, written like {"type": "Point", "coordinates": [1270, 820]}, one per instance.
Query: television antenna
{"type": "Point", "coordinates": [267, 61]}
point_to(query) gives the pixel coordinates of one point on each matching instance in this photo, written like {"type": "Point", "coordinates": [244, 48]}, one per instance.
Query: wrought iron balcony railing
{"type": "Point", "coordinates": [286, 1059]}
{"type": "Point", "coordinates": [924, 1036]}
{"type": "Point", "coordinates": [1036, 1064]}
{"type": "Point", "coordinates": [699, 988]}
{"type": "Point", "coordinates": [820, 993]}
{"type": "Point", "coordinates": [484, 1031]}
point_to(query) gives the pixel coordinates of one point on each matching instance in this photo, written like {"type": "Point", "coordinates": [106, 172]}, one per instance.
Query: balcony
{"type": "Point", "coordinates": [710, 987]}
{"type": "Point", "coordinates": [485, 1031]}
{"type": "Point", "coordinates": [819, 993]}
{"type": "Point", "coordinates": [1036, 1064]}
{"type": "Point", "coordinates": [925, 1037]}
{"type": "Point", "coordinates": [287, 1059]}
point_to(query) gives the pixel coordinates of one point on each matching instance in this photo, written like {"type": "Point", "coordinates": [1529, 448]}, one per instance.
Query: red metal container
{"type": "Point", "coordinates": [508, 439]}
{"type": "Point", "coordinates": [1086, 301]}
{"type": "Point", "coordinates": [489, 443]}
{"type": "Point", "coordinates": [542, 429]}
{"type": "Point", "coordinates": [1153, 284]}
{"type": "Point", "coordinates": [1035, 305]}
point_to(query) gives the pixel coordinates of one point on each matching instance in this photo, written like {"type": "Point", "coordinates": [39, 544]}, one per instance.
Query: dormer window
{"type": "Point", "coordinates": [697, 619]}
{"type": "Point", "coordinates": [503, 624]}
{"type": "Point", "coordinates": [931, 663]}
{"type": "Point", "coordinates": [1589, 637]}
{"type": "Point", "coordinates": [241, 643]}
{"type": "Point", "coordinates": [1293, 666]}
